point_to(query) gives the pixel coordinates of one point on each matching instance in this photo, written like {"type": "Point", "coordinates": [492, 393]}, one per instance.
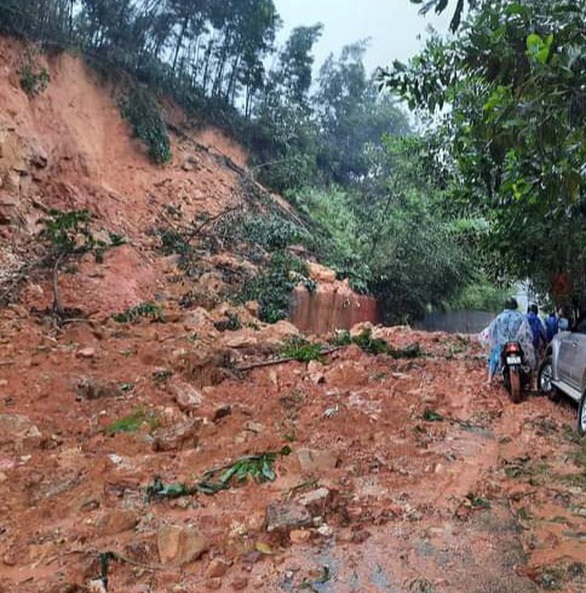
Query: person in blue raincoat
{"type": "Point", "coordinates": [509, 325]}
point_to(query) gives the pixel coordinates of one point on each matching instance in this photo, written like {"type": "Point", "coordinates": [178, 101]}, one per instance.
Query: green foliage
{"type": "Point", "coordinates": [513, 79]}
{"type": "Point", "coordinates": [481, 295]}
{"type": "Point", "coordinates": [134, 421]}
{"type": "Point", "coordinates": [259, 468]}
{"type": "Point", "coordinates": [366, 342]}
{"type": "Point", "coordinates": [142, 113]}
{"type": "Point", "coordinates": [142, 310]}
{"type": "Point", "coordinates": [69, 232]}
{"type": "Point", "coordinates": [272, 288]}
{"type": "Point", "coordinates": [33, 80]}
{"type": "Point", "coordinates": [432, 416]}
{"type": "Point", "coordinates": [477, 502]}
{"type": "Point", "coordinates": [301, 349]}
{"type": "Point", "coordinates": [341, 338]}
{"type": "Point", "coordinates": [230, 323]}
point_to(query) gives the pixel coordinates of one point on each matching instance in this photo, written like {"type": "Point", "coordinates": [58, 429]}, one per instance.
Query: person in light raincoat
{"type": "Point", "coordinates": [510, 325]}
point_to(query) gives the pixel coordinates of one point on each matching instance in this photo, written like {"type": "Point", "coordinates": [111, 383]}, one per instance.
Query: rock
{"type": "Point", "coordinates": [239, 583]}
{"type": "Point", "coordinates": [299, 536]}
{"type": "Point", "coordinates": [315, 372]}
{"type": "Point", "coordinates": [278, 333]}
{"type": "Point", "coordinates": [178, 436]}
{"type": "Point", "coordinates": [96, 586]}
{"type": "Point", "coordinates": [325, 530]}
{"type": "Point", "coordinates": [90, 388]}
{"type": "Point", "coordinates": [217, 568]}
{"type": "Point", "coordinates": [117, 521]}
{"type": "Point", "coordinates": [321, 273]}
{"type": "Point", "coordinates": [244, 339]}
{"type": "Point", "coordinates": [214, 584]}
{"type": "Point", "coordinates": [316, 501]}
{"type": "Point", "coordinates": [179, 546]}
{"type": "Point", "coordinates": [346, 374]}
{"type": "Point", "coordinates": [86, 353]}
{"type": "Point", "coordinates": [255, 427]}
{"type": "Point", "coordinates": [314, 460]}
{"type": "Point", "coordinates": [18, 432]}
{"type": "Point", "coordinates": [221, 412]}
{"type": "Point", "coordinates": [285, 516]}
{"type": "Point", "coordinates": [188, 398]}
{"type": "Point", "coordinates": [199, 317]}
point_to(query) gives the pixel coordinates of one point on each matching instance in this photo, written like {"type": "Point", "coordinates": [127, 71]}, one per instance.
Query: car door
{"type": "Point", "coordinates": [564, 362]}
{"type": "Point", "coordinates": [578, 356]}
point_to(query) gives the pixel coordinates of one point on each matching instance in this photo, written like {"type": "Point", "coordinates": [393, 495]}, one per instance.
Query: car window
{"type": "Point", "coordinates": [580, 326]}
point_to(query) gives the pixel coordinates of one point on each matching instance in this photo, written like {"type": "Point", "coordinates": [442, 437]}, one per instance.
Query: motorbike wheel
{"type": "Point", "coordinates": [544, 379]}
{"type": "Point", "coordinates": [515, 385]}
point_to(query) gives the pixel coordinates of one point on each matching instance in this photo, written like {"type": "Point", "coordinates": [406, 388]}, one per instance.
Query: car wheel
{"type": "Point", "coordinates": [544, 380]}
{"type": "Point", "coordinates": [582, 415]}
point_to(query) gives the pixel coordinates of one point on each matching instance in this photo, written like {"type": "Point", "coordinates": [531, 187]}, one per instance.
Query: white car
{"type": "Point", "coordinates": [563, 370]}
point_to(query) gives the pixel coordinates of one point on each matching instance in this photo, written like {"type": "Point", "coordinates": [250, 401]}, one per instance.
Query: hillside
{"type": "Point", "coordinates": [195, 447]}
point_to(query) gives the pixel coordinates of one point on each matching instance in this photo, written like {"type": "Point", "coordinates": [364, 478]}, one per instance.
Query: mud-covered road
{"type": "Point", "coordinates": [405, 475]}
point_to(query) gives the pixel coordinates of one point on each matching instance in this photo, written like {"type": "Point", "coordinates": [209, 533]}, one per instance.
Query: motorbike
{"type": "Point", "coordinates": [516, 372]}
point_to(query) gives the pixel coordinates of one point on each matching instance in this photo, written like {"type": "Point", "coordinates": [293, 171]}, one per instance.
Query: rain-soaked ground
{"type": "Point", "coordinates": [405, 475]}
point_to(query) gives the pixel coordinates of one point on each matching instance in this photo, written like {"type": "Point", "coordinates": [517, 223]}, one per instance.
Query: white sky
{"type": "Point", "coordinates": [392, 25]}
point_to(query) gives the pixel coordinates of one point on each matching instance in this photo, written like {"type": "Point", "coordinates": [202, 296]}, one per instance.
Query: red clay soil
{"type": "Point", "coordinates": [405, 475]}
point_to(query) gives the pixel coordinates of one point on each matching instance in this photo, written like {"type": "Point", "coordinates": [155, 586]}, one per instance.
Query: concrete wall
{"type": "Point", "coordinates": [464, 322]}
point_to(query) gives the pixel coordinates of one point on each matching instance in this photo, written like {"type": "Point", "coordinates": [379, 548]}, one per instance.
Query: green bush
{"type": "Point", "coordinates": [33, 80]}
{"type": "Point", "coordinates": [298, 348]}
{"type": "Point", "coordinates": [143, 310]}
{"type": "Point", "coordinates": [272, 288]}
{"type": "Point", "coordinates": [142, 113]}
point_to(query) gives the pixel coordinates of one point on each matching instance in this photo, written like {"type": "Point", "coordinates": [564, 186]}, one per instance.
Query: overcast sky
{"type": "Point", "coordinates": [392, 25]}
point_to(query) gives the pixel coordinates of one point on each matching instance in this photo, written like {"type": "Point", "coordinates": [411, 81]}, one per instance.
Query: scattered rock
{"type": "Point", "coordinates": [299, 536]}
{"type": "Point", "coordinates": [18, 432]}
{"type": "Point", "coordinates": [217, 568]}
{"type": "Point", "coordinates": [348, 372]}
{"type": "Point", "coordinates": [244, 339]}
{"type": "Point", "coordinates": [321, 273]}
{"type": "Point", "coordinates": [316, 501]}
{"type": "Point", "coordinates": [179, 546]}
{"type": "Point", "coordinates": [285, 516]}
{"type": "Point", "coordinates": [221, 412]}
{"type": "Point", "coordinates": [90, 388]}
{"type": "Point", "coordinates": [255, 427]}
{"type": "Point", "coordinates": [117, 521]}
{"type": "Point", "coordinates": [214, 584]}
{"type": "Point", "coordinates": [178, 436]}
{"type": "Point", "coordinates": [239, 583]}
{"type": "Point", "coordinates": [314, 460]}
{"type": "Point", "coordinates": [188, 398]}
{"type": "Point", "coordinates": [86, 353]}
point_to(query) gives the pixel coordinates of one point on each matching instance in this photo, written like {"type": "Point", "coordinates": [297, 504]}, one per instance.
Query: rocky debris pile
{"type": "Point", "coordinates": [141, 447]}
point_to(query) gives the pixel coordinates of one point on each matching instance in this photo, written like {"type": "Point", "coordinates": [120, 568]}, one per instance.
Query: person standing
{"type": "Point", "coordinates": [537, 329]}
{"type": "Point", "coordinates": [551, 326]}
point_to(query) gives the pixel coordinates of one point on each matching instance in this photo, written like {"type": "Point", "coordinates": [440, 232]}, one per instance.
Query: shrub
{"type": "Point", "coordinates": [133, 314]}
{"type": "Point", "coordinates": [273, 287]}
{"type": "Point", "coordinates": [33, 80]}
{"type": "Point", "coordinates": [298, 348]}
{"type": "Point", "coordinates": [142, 113]}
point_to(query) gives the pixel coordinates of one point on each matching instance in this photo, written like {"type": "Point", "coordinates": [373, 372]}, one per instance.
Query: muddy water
{"type": "Point", "coordinates": [326, 310]}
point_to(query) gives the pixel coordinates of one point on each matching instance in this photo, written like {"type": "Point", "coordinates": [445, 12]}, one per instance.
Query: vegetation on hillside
{"type": "Point", "coordinates": [375, 204]}
{"type": "Point", "coordinates": [513, 79]}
